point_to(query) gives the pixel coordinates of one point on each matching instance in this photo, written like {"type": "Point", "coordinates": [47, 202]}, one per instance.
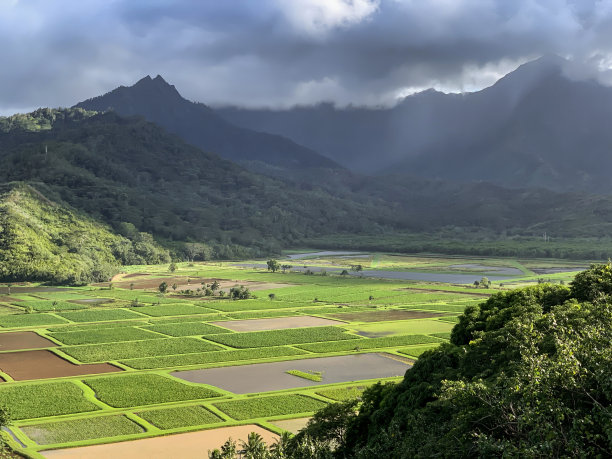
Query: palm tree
{"type": "Point", "coordinates": [254, 447]}
{"type": "Point", "coordinates": [279, 448]}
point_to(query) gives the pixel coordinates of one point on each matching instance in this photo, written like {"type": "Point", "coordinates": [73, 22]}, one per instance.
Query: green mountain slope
{"type": "Point", "coordinates": [41, 240]}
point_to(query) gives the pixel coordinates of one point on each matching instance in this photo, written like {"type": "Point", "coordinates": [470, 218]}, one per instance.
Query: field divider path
{"type": "Point", "coordinates": [146, 425]}
{"type": "Point", "coordinates": [90, 395]}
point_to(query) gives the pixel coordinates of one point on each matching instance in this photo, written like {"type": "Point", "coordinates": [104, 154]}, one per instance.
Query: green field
{"type": "Point", "coordinates": [159, 336]}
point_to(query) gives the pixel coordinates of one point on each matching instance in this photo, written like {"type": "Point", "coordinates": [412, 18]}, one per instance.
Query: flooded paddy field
{"type": "Point", "coordinates": [264, 377]}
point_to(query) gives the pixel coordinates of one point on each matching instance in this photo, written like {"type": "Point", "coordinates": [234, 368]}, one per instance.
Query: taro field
{"type": "Point", "coordinates": [85, 369]}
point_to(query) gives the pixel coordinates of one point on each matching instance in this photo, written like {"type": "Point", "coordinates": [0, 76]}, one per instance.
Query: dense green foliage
{"type": "Point", "coordinates": [145, 389]}
{"type": "Point", "coordinates": [48, 399]}
{"type": "Point", "coordinates": [187, 329]}
{"type": "Point", "coordinates": [40, 240]}
{"type": "Point", "coordinates": [527, 374]}
{"type": "Point", "coordinates": [107, 335]}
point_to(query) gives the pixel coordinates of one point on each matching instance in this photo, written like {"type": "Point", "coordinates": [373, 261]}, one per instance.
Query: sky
{"type": "Point", "coordinates": [280, 53]}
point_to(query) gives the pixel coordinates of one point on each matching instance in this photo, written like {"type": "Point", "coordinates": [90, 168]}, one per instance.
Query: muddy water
{"type": "Point", "coordinates": [264, 377]}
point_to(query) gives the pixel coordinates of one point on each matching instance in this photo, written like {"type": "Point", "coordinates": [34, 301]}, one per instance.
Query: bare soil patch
{"type": "Point", "coordinates": [23, 340]}
{"type": "Point", "coordinates": [185, 445]}
{"type": "Point", "coordinates": [26, 365]}
{"type": "Point", "coordinates": [291, 425]}
{"type": "Point", "coordinates": [382, 316]}
{"type": "Point", "coordinates": [186, 283]}
{"type": "Point", "coordinates": [9, 299]}
{"type": "Point", "coordinates": [264, 377]}
{"type": "Point", "coordinates": [279, 323]}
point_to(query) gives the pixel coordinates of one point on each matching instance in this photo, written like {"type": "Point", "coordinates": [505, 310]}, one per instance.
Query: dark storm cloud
{"type": "Point", "coordinates": [283, 52]}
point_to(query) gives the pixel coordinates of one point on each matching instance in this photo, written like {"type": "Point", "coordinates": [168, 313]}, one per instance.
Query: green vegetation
{"type": "Point", "coordinates": [81, 429]}
{"type": "Point", "coordinates": [100, 315]}
{"type": "Point", "coordinates": [212, 357]}
{"type": "Point", "coordinates": [187, 329]}
{"type": "Point", "coordinates": [276, 405]}
{"type": "Point", "coordinates": [107, 335]}
{"type": "Point", "coordinates": [368, 343]}
{"type": "Point", "coordinates": [172, 310]}
{"type": "Point", "coordinates": [144, 389]}
{"type": "Point", "coordinates": [311, 376]}
{"type": "Point", "coordinates": [526, 374]}
{"type": "Point", "coordinates": [183, 416]}
{"type": "Point", "coordinates": [130, 350]}
{"type": "Point", "coordinates": [69, 248]}
{"type": "Point", "coordinates": [49, 305]}
{"type": "Point", "coordinates": [280, 337]}
{"type": "Point", "coordinates": [29, 320]}
{"type": "Point", "coordinates": [27, 401]}
{"type": "Point", "coordinates": [342, 394]}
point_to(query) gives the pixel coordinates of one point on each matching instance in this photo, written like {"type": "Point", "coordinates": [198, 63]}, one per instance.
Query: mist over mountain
{"type": "Point", "coordinates": [159, 102]}
{"type": "Point", "coordinates": [535, 127]}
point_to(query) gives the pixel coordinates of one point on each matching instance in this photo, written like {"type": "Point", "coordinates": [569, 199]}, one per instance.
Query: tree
{"type": "Point", "coordinates": [273, 265]}
{"type": "Point", "coordinates": [5, 420]}
{"type": "Point", "coordinates": [215, 286]}
{"type": "Point", "coordinates": [8, 288]}
{"type": "Point", "coordinates": [254, 447]}
{"type": "Point", "coordinates": [272, 296]}
{"type": "Point", "coordinates": [240, 293]}
{"type": "Point", "coordinates": [485, 282]}
{"type": "Point", "coordinates": [285, 268]}
{"type": "Point", "coordinates": [131, 285]}
{"type": "Point", "coordinates": [172, 267]}
{"type": "Point", "coordinates": [163, 287]}
{"type": "Point", "coordinates": [280, 448]}
{"type": "Point", "coordinates": [174, 287]}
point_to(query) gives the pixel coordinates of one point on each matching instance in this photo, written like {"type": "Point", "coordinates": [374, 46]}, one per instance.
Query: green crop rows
{"type": "Point", "coordinates": [108, 335]}
{"type": "Point", "coordinates": [183, 416]}
{"type": "Point", "coordinates": [280, 337]}
{"type": "Point", "coordinates": [277, 405]}
{"type": "Point", "coordinates": [187, 329]}
{"type": "Point", "coordinates": [368, 343]}
{"type": "Point", "coordinates": [144, 389]}
{"type": "Point", "coordinates": [130, 350]}
{"type": "Point", "coordinates": [81, 429]}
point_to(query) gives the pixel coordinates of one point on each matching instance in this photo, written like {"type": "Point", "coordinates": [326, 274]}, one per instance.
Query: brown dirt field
{"type": "Point", "coordinates": [279, 323]}
{"type": "Point", "coordinates": [291, 425]}
{"type": "Point", "coordinates": [9, 299]}
{"type": "Point", "coordinates": [181, 282]}
{"type": "Point", "coordinates": [25, 365]}
{"type": "Point", "coordinates": [185, 445]}
{"type": "Point", "coordinates": [382, 316]}
{"type": "Point", "coordinates": [23, 340]}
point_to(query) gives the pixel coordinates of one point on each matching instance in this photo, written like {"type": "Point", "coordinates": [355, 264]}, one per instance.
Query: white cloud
{"type": "Point", "coordinates": [319, 16]}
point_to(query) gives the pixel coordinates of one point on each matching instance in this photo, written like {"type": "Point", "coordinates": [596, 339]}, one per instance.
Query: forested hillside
{"type": "Point", "coordinates": [41, 240]}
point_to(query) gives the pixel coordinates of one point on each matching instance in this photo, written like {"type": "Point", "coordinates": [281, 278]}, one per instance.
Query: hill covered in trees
{"type": "Point", "coordinates": [526, 374]}
{"type": "Point", "coordinates": [41, 240]}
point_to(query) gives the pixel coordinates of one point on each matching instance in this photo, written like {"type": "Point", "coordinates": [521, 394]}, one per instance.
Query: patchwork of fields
{"type": "Point", "coordinates": [94, 365]}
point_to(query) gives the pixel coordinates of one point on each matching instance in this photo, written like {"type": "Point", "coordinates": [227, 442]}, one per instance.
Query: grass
{"type": "Point", "coordinates": [144, 389]}
{"type": "Point", "coordinates": [130, 350]}
{"type": "Point", "coordinates": [211, 357]}
{"type": "Point", "coordinates": [81, 429]}
{"type": "Point", "coordinates": [100, 315]}
{"type": "Point", "coordinates": [183, 416]}
{"type": "Point", "coordinates": [342, 394]}
{"type": "Point", "coordinates": [314, 376]}
{"type": "Point", "coordinates": [44, 399]}
{"type": "Point", "coordinates": [404, 327]}
{"type": "Point", "coordinates": [187, 329]}
{"type": "Point", "coordinates": [368, 343]}
{"type": "Point", "coordinates": [173, 310]}
{"type": "Point", "coordinates": [281, 337]}
{"type": "Point", "coordinates": [276, 405]}
{"type": "Point", "coordinates": [30, 320]}
{"type": "Point", "coordinates": [256, 304]}
{"type": "Point", "coordinates": [105, 335]}
{"type": "Point", "coordinates": [50, 305]}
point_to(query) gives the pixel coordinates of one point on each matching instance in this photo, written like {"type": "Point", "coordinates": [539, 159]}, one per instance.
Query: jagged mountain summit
{"type": "Point", "coordinates": [199, 125]}
{"type": "Point", "coordinates": [535, 127]}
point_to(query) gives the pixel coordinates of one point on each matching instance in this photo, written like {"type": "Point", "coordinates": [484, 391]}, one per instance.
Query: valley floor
{"type": "Point", "coordinates": [114, 368]}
